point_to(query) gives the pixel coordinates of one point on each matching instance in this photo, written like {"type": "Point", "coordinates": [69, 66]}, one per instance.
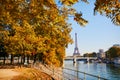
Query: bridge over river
{"type": "Point", "coordinates": [79, 58]}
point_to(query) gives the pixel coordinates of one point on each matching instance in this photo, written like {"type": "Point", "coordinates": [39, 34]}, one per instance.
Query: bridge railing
{"type": "Point", "coordinates": [74, 75]}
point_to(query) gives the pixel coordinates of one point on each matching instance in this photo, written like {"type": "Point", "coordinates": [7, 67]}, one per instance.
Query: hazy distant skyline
{"type": "Point", "coordinates": [99, 33]}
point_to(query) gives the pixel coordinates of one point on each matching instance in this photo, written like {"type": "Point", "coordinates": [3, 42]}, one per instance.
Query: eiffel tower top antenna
{"type": "Point", "coordinates": [76, 51]}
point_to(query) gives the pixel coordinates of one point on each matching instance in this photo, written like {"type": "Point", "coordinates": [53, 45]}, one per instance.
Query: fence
{"type": "Point", "coordinates": [54, 72]}
{"type": "Point", "coordinates": [74, 75]}
{"type": "Point", "coordinates": [66, 73]}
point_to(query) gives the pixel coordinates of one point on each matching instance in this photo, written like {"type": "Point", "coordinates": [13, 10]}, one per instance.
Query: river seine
{"type": "Point", "coordinates": [108, 71]}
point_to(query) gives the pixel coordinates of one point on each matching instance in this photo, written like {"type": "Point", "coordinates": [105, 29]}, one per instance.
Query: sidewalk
{"type": "Point", "coordinates": [7, 74]}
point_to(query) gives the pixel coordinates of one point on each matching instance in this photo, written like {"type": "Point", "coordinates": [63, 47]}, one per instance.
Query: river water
{"type": "Point", "coordinates": [108, 71]}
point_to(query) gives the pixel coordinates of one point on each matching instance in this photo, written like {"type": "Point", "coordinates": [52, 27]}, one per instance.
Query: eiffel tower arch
{"type": "Point", "coordinates": [76, 50]}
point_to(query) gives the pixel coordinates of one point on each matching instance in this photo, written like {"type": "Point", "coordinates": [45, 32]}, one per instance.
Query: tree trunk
{"type": "Point", "coordinates": [23, 59]}
{"type": "Point", "coordinates": [18, 59]}
{"type": "Point", "coordinates": [28, 59]}
{"type": "Point", "coordinates": [34, 58]}
{"type": "Point", "coordinates": [12, 59]}
{"type": "Point", "coordinates": [4, 59]}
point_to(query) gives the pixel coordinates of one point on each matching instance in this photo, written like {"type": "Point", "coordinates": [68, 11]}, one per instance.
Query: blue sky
{"type": "Point", "coordinates": [99, 33]}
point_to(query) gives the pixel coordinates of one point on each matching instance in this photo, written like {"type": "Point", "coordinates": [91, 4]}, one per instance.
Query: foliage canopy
{"type": "Point", "coordinates": [109, 8]}
{"type": "Point", "coordinates": [39, 27]}
{"type": "Point", "coordinates": [113, 52]}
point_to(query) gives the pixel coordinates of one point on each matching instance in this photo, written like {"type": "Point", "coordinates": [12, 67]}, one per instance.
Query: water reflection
{"type": "Point", "coordinates": [111, 72]}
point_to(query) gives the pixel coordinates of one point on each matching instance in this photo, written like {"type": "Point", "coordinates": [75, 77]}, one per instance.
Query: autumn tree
{"type": "Point", "coordinates": [35, 27]}
{"type": "Point", "coordinates": [109, 8]}
{"type": "Point", "coordinates": [2, 45]}
{"type": "Point", "coordinates": [39, 28]}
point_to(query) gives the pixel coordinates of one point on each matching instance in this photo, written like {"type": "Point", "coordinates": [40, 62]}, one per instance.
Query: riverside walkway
{"type": "Point", "coordinates": [54, 72]}
{"type": "Point", "coordinates": [64, 73]}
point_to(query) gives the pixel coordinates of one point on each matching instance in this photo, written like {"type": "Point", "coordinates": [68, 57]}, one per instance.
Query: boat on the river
{"type": "Point", "coordinates": [117, 60]}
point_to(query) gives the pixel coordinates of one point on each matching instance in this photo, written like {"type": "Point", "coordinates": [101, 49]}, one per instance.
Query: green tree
{"type": "Point", "coordinates": [113, 52]}
{"type": "Point", "coordinates": [90, 54]}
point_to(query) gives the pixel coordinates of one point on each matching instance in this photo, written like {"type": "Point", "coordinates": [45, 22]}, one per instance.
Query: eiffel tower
{"type": "Point", "coordinates": [76, 51]}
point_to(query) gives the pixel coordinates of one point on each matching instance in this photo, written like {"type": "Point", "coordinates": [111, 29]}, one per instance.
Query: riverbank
{"type": "Point", "coordinates": [23, 73]}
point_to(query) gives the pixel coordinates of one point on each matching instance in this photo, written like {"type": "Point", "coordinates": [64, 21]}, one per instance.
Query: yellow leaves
{"type": "Point", "coordinates": [108, 11]}
{"type": "Point", "coordinates": [51, 58]}
{"type": "Point", "coordinates": [116, 20]}
{"type": "Point", "coordinates": [38, 28]}
{"type": "Point", "coordinates": [118, 17]}
{"type": "Point", "coordinates": [51, 1]}
{"type": "Point", "coordinates": [81, 21]}
{"type": "Point", "coordinates": [8, 6]}
{"type": "Point", "coordinates": [109, 8]}
{"type": "Point", "coordinates": [10, 44]}
{"type": "Point", "coordinates": [69, 2]}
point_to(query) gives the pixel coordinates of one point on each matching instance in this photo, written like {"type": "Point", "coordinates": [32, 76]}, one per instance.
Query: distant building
{"type": "Point", "coordinates": [101, 54]}
{"type": "Point", "coordinates": [117, 45]}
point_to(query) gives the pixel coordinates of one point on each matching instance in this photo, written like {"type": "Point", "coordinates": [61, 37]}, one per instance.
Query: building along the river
{"type": "Point", "coordinates": [101, 54]}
